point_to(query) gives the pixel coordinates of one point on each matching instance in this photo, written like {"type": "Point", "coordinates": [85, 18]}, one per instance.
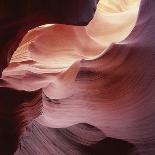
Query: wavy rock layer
{"type": "Point", "coordinates": [18, 17]}
{"type": "Point", "coordinates": [102, 75]}
{"type": "Point", "coordinates": [17, 109]}
{"type": "Point", "coordinates": [81, 139]}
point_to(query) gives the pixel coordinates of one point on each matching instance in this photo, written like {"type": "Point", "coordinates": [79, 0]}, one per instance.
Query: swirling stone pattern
{"type": "Point", "coordinates": [80, 139]}
{"type": "Point", "coordinates": [90, 75]}
{"type": "Point", "coordinates": [17, 109]}
{"type": "Point", "coordinates": [17, 17]}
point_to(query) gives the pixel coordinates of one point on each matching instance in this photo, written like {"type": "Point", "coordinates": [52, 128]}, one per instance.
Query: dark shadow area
{"type": "Point", "coordinates": [111, 146]}
{"type": "Point", "coordinates": [17, 109]}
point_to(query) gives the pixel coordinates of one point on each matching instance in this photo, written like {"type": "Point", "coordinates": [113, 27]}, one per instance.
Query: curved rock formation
{"type": "Point", "coordinates": [101, 74]}
{"type": "Point", "coordinates": [17, 17]}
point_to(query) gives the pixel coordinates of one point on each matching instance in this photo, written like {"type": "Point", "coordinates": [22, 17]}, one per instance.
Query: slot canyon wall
{"type": "Point", "coordinates": [77, 78]}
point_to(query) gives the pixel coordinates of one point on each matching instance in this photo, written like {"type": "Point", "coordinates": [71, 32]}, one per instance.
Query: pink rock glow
{"type": "Point", "coordinates": [102, 74]}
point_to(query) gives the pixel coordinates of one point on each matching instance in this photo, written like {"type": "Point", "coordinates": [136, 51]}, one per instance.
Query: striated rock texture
{"type": "Point", "coordinates": [17, 109]}
{"type": "Point", "coordinates": [88, 89]}
{"type": "Point", "coordinates": [17, 17]}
